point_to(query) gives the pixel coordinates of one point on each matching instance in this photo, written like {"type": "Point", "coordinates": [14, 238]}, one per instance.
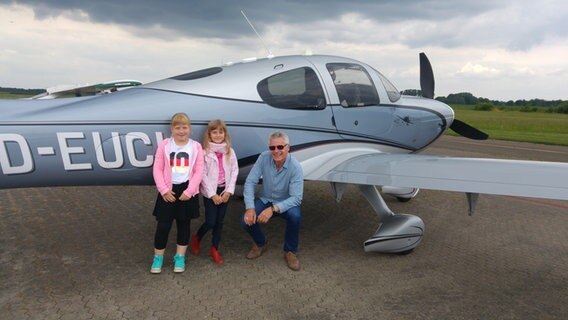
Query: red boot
{"type": "Point", "coordinates": [194, 244]}
{"type": "Point", "coordinates": [216, 256]}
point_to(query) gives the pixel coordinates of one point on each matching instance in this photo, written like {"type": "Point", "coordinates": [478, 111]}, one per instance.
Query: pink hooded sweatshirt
{"type": "Point", "coordinates": [163, 172]}
{"type": "Point", "coordinates": [208, 186]}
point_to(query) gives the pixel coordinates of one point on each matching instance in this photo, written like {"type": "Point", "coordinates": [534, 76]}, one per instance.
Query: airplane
{"type": "Point", "coordinates": [67, 91]}
{"type": "Point", "coordinates": [347, 123]}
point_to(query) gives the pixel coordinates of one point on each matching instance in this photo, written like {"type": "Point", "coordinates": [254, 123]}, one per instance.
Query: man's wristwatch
{"type": "Point", "coordinates": [273, 209]}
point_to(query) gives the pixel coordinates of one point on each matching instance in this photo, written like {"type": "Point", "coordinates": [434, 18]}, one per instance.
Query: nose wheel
{"type": "Point", "coordinates": [397, 233]}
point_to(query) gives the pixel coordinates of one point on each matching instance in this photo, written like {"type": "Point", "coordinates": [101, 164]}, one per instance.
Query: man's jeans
{"type": "Point", "coordinates": [293, 219]}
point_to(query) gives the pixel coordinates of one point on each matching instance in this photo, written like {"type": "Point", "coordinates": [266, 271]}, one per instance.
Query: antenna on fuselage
{"type": "Point", "coordinates": [270, 55]}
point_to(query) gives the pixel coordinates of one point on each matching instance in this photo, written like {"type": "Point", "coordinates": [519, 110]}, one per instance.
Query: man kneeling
{"type": "Point", "coordinates": [281, 195]}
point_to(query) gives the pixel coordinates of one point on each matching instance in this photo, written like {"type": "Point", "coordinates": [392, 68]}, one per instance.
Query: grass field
{"type": "Point", "coordinates": [5, 95]}
{"type": "Point", "coordinates": [538, 127]}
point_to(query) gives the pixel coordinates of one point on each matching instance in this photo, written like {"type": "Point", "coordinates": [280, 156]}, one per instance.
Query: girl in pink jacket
{"type": "Point", "coordinates": [217, 186]}
{"type": "Point", "coordinates": [178, 170]}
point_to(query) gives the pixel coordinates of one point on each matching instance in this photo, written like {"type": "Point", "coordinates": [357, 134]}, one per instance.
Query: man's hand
{"type": "Point", "coordinates": [265, 215]}
{"type": "Point", "coordinates": [250, 217]}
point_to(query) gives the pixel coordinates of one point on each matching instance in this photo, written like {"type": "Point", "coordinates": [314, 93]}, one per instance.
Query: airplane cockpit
{"type": "Point", "coordinates": [296, 83]}
{"type": "Point", "coordinates": [353, 84]}
{"type": "Point", "coordinates": [293, 89]}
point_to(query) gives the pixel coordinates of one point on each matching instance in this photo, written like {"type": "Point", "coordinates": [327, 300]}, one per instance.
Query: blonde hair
{"type": "Point", "coordinates": [180, 118]}
{"type": "Point", "coordinates": [217, 124]}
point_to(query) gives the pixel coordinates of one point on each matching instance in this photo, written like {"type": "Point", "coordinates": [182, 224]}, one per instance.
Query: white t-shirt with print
{"type": "Point", "coordinates": [180, 162]}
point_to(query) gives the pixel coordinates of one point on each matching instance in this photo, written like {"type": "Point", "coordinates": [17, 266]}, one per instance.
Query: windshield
{"type": "Point", "coordinates": [353, 85]}
{"type": "Point", "coordinates": [392, 91]}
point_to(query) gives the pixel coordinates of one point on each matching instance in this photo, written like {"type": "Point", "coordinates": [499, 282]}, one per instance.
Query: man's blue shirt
{"type": "Point", "coordinates": [284, 187]}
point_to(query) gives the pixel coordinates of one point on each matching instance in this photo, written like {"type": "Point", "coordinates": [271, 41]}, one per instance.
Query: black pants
{"type": "Point", "coordinates": [180, 211]}
{"type": "Point", "coordinates": [163, 231]}
{"type": "Point", "coordinates": [214, 217]}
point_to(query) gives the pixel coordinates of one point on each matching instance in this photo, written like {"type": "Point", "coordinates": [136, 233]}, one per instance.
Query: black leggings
{"type": "Point", "coordinates": [163, 230]}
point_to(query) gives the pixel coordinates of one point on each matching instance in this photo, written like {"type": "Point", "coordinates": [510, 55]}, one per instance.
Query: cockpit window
{"type": "Point", "coordinates": [392, 91]}
{"type": "Point", "coordinates": [294, 89]}
{"type": "Point", "coordinates": [198, 74]}
{"type": "Point", "coordinates": [353, 84]}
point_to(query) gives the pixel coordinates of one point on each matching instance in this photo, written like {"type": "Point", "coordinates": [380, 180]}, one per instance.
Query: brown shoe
{"type": "Point", "coordinates": [255, 251]}
{"type": "Point", "coordinates": [292, 261]}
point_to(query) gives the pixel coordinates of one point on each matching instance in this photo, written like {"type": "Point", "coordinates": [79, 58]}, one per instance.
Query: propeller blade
{"type": "Point", "coordinates": [426, 77]}
{"type": "Point", "coordinates": [468, 131]}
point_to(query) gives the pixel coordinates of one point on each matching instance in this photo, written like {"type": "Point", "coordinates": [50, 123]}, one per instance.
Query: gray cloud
{"type": "Point", "coordinates": [443, 23]}
{"type": "Point", "coordinates": [222, 19]}
{"type": "Point", "coordinates": [472, 35]}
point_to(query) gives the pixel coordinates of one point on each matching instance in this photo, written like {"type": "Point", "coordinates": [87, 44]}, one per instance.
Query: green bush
{"type": "Point", "coordinates": [484, 106]}
{"type": "Point", "coordinates": [562, 109]}
{"type": "Point", "coordinates": [528, 109]}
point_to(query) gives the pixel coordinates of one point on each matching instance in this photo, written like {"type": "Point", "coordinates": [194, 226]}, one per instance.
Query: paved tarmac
{"type": "Point", "coordinates": [85, 253]}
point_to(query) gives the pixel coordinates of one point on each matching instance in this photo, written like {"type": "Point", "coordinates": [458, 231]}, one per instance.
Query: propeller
{"type": "Point", "coordinates": [464, 129]}
{"type": "Point", "coordinates": [427, 88]}
{"type": "Point", "coordinates": [426, 77]}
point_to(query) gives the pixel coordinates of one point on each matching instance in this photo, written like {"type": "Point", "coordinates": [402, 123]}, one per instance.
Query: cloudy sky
{"type": "Point", "coordinates": [504, 50]}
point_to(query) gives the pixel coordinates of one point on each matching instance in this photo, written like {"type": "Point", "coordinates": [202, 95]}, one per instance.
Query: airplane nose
{"type": "Point", "coordinates": [449, 114]}
{"type": "Point", "coordinates": [442, 109]}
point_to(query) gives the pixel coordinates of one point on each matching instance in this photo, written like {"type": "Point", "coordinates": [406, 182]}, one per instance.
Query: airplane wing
{"type": "Point", "coordinates": [491, 176]}
{"type": "Point", "coordinates": [68, 91]}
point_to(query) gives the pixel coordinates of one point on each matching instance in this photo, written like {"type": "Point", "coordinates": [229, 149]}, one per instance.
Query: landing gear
{"type": "Point", "coordinates": [400, 193]}
{"type": "Point", "coordinates": [397, 233]}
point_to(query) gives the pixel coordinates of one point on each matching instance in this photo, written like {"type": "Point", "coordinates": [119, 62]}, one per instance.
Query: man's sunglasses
{"type": "Point", "coordinates": [279, 147]}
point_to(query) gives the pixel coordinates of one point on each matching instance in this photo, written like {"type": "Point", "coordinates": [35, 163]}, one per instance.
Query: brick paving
{"type": "Point", "coordinates": [85, 253]}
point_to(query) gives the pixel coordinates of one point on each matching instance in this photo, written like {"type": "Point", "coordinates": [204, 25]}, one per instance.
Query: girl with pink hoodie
{"type": "Point", "coordinates": [177, 171]}
{"type": "Point", "coordinates": [218, 185]}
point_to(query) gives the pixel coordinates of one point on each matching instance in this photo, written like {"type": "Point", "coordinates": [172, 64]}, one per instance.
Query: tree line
{"type": "Point", "coordinates": [484, 104]}
{"type": "Point", "coordinates": [31, 92]}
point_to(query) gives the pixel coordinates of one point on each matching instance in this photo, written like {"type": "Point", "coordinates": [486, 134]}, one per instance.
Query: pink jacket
{"type": "Point", "coordinates": [163, 172]}
{"type": "Point", "coordinates": [208, 187]}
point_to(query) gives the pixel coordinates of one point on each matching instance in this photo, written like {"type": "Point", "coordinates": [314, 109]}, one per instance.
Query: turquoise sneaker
{"type": "Point", "coordinates": [179, 263]}
{"type": "Point", "coordinates": [157, 264]}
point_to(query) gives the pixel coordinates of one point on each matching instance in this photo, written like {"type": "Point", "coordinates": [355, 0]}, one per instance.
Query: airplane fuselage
{"type": "Point", "coordinates": [348, 125]}
{"type": "Point", "coordinates": [111, 139]}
